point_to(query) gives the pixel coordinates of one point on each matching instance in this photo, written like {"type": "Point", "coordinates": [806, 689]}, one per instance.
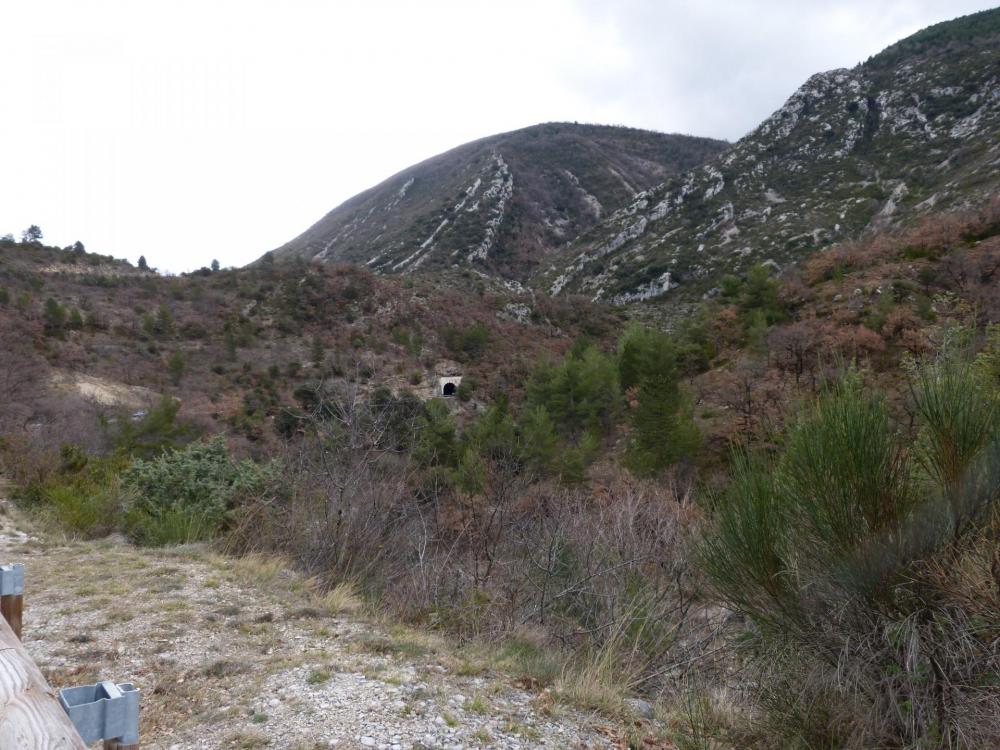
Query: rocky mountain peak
{"type": "Point", "coordinates": [501, 204]}
{"type": "Point", "coordinates": [851, 150]}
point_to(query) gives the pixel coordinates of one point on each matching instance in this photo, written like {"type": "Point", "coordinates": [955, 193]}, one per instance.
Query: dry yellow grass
{"type": "Point", "coordinates": [341, 599]}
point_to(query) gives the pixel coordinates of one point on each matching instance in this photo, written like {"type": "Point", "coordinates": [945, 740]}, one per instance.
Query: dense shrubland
{"type": "Point", "coordinates": [781, 517]}
{"type": "Point", "coordinates": [862, 558]}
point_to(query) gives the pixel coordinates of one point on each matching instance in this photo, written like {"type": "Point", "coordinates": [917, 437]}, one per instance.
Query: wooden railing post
{"type": "Point", "coordinates": [12, 609]}
{"type": "Point", "coordinates": [12, 596]}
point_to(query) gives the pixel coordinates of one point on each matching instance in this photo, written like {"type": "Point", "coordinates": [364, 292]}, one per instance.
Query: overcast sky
{"type": "Point", "coordinates": [188, 130]}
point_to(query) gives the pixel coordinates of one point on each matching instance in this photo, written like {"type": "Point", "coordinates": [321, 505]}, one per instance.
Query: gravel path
{"type": "Point", "coordinates": [245, 654]}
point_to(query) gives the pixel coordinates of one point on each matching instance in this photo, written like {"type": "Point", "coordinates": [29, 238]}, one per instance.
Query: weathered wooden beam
{"type": "Point", "coordinates": [31, 717]}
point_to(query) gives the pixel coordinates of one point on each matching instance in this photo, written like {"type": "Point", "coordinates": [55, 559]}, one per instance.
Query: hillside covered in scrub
{"type": "Point", "coordinates": [85, 335]}
{"type": "Point", "coordinates": [722, 473]}
{"type": "Point", "coordinates": [583, 495]}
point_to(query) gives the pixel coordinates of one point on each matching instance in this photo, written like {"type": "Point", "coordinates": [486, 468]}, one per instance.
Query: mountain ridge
{"type": "Point", "coordinates": [914, 128]}
{"type": "Point", "coordinates": [852, 150]}
{"type": "Point", "coordinates": [502, 202]}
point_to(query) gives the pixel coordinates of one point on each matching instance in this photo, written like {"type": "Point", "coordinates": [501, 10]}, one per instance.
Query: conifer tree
{"type": "Point", "coordinates": [663, 431]}
{"type": "Point", "coordinates": [54, 319]}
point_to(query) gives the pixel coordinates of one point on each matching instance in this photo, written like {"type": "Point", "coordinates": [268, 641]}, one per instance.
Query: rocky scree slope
{"type": "Point", "coordinates": [914, 128]}
{"type": "Point", "coordinates": [502, 203]}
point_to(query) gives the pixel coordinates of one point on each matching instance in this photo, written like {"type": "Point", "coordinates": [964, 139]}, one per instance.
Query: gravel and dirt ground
{"type": "Point", "coordinates": [243, 653]}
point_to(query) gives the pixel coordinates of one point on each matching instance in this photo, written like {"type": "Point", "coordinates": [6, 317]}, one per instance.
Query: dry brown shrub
{"type": "Point", "coordinates": [856, 343]}
{"type": "Point", "coordinates": [753, 394]}
{"type": "Point", "coordinates": [728, 326]}
{"type": "Point", "coordinates": [975, 273]}
{"type": "Point", "coordinates": [898, 322]}
{"type": "Point", "coordinates": [797, 347]}
{"type": "Point", "coordinates": [576, 564]}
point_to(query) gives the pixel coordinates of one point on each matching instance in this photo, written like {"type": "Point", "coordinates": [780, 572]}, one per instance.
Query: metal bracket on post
{"type": "Point", "coordinates": [12, 595]}
{"type": "Point", "coordinates": [104, 711]}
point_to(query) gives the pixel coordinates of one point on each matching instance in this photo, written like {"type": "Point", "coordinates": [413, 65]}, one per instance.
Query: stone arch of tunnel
{"type": "Point", "coordinates": [449, 386]}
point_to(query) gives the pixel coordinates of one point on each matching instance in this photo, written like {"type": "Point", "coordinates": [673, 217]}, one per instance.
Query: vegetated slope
{"type": "Point", "coordinates": [502, 203]}
{"type": "Point", "coordinates": [914, 128]}
{"type": "Point", "coordinates": [462, 517]}
{"type": "Point", "coordinates": [83, 335]}
{"type": "Point", "coordinates": [897, 296]}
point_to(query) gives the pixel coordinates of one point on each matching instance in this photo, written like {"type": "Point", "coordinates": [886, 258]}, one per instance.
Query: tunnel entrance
{"type": "Point", "coordinates": [448, 385]}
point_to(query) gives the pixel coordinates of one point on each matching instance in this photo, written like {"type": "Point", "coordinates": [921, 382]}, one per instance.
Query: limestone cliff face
{"type": "Point", "coordinates": [502, 204]}
{"type": "Point", "coordinates": [625, 216]}
{"type": "Point", "coordinates": [913, 129]}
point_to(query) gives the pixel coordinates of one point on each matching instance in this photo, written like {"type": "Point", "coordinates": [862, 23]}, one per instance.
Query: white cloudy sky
{"type": "Point", "coordinates": [188, 130]}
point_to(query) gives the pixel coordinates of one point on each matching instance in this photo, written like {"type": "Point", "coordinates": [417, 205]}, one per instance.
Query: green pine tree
{"type": "Point", "coordinates": [663, 430]}
{"type": "Point", "coordinates": [54, 319]}
{"type": "Point", "coordinates": [176, 365]}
